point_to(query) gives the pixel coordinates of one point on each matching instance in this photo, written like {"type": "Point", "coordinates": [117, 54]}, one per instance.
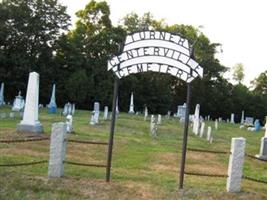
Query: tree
{"type": "Point", "coordinates": [28, 32]}
{"type": "Point", "coordinates": [260, 84]}
{"type": "Point", "coordinates": [238, 73]}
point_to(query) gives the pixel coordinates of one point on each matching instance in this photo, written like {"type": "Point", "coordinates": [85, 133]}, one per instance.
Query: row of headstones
{"type": "Point", "coordinates": [11, 115]}
{"type": "Point", "coordinates": [58, 150]}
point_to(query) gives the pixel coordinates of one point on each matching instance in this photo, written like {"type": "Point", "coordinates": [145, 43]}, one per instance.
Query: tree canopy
{"type": "Point", "coordinates": [34, 36]}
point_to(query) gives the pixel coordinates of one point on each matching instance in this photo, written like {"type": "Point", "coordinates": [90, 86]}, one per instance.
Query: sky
{"type": "Point", "coordinates": [238, 25]}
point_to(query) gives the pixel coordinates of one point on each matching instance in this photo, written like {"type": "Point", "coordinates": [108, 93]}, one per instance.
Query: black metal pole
{"type": "Point", "coordinates": [112, 127]}
{"type": "Point", "coordinates": [188, 99]}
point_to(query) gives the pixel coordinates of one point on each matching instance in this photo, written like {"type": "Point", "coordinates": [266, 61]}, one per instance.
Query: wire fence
{"type": "Point", "coordinates": [84, 164]}
{"type": "Point", "coordinates": [24, 140]}
{"type": "Point", "coordinates": [23, 164]}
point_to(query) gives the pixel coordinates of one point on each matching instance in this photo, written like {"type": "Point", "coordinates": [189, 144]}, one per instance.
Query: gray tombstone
{"type": "Point", "coordinates": [96, 112]}
{"type": "Point", "coordinates": [202, 129]}
{"type": "Point", "coordinates": [232, 118]}
{"type": "Point", "coordinates": [235, 166]}
{"type": "Point", "coordinates": [153, 126]}
{"type": "Point", "coordinates": [263, 149]}
{"type": "Point", "coordinates": [242, 117]}
{"type": "Point", "coordinates": [159, 119]}
{"type": "Point", "coordinates": [105, 116]}
{"type": "Point", "coordinates": [57, 150]}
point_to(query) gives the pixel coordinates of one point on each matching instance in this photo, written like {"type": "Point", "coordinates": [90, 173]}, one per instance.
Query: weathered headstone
{"type": "Point", "coordinates": [12, 115]}
{"type": "Point", "coordinates": [235, 167]}
{"type": "Point", "coordinates": [209, 136]}
{"type": "Point", "coordinates": [30, 122]}
{"type": "Point", "coordinates": [242, 117]}
{"type": "Point", "coordinates": [263, 149]}
{"type": "Point", "coordinates": [159, 119]}
{"type": "Point", "coordinates": [19, 103]}
{"type": "Point", "coordinates": [57, 150]}
{"type": "Point", "coordinates": [52, 104]}
{"type": "Point", "coordinates": [131, 108]}
{"type": "Point", "coordinates": [96, 112]}
{"type": "Point", "coordinates": [232, 118]}
{"type": "Point", "coordinates": [202, 129]}
{"type": "Point", "coordinates": [73, 109]}
{"type": "Point", "coordinates": [105, 116]}
{"type": "Point", "coordinates": [153, 126]}
{"type": "Point", "coordinates": [146, 114]}
{"type": "Point", "coordinates": [2, 102]}
{"type": "Point", "coordinates": [216, 124]}
{"type": "Point", "coordinates": [196, 123]}
{"type": "Point", "coordinates": [69, 126]}
{"type": "Point", "coordinates": [181, 112]}
{"type": "Point", "coordinates": [249, 121]}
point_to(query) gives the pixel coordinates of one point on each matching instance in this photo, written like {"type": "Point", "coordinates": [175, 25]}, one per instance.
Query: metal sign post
{"type": "Point", "coordinates": [182, 167]}
{"type": "Point", "coordinates": [112, 128]}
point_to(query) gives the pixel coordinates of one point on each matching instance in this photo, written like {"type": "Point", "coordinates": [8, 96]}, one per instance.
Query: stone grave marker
{"type": "Point", "coordinates": [232, 118]}
{"type": "Point", "coordinates": [202, 129]}
{"type": "Point", "coordinates": [153, 126]}
{"type": "Point", "coordinates": [159, 119]}
{"type": "Point", "coordinates": [196, 123]}
{"type": "Point", "coordinates": [216, 124]}
{"type": "Point", "coordinates": [2, 102]}
{"type": "Point", "coordinates": [30, 122]}
{"type": "Point", "coordinates": [131, 108]}
{"type": "Point", "coordinates": [19, 103]}
{"type": "Point", "coordinates": [105, 116]}
{"type": "Point", "coordinates": [146, 114]}
{"type": "Point", "coordinates": [52, 106]}
{"type": "Point", "coordinates": [209, 136]}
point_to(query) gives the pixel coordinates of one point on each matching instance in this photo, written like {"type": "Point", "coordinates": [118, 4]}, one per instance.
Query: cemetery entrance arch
{"type": "Point", "coordinates": [154, 51]}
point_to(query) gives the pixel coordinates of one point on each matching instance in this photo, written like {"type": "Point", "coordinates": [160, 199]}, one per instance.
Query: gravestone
{"type": "Point", "coordinates": [196, 123]}
{"type": "Point", "coordinates": [181, 112]}
{"type": "Point", "coordinates": [249, 121]}
{"type": "Point", "coordinates": [232, 118]}
{"type": "Point", "coordinates": [105, 116]}
{"type": "Point", "coordinates": [2, 102]}
{"type": "Point", "coordinates": [209, 136]}
{"type": "Point", "coordinates": [69, 126]}
{"type": "Point", "coordinates": [153, 126]}
{"type": "Point", "coordinates": [19, 103]}
{"type": "Point", "coordinates": [168, 114]}
{"type": "Point", "coordinates": [242, 117]}
{"type": "Point", "coordinates": [235, 167]}
{"type": "Point", "coordinates": [52, 106]}
{"type": "Point", "coordinates": [12, 115]}
{"type": "Point", "coordinates": [208, 118]}
{"type": "Point", "coordinates": [57, 150]}
{"type": "Point", "coordinates": [2, 115]}
{"type": "Point", "coordinates": [146, 113]}
{"type": "Point", "coordinates": [202, 129]}
{"type": "Point", "coordinates": [117, 106]}
{"type": "Point", "coordinates": [95, 114]}
{"type": "Point", "coordinates": [131, 108]}
{"type": "Point", "coordinates": [159, 119]}
{"type": "Point", "coordinates": [30, 122]}
{"type": "Point", "coordinates": [216, 124]}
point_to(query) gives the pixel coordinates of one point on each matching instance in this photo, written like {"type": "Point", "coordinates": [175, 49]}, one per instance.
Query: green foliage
{"type": "Point", "coordinates": [32, 37]}
{"type": "Point", "coordinates": [238, 72]}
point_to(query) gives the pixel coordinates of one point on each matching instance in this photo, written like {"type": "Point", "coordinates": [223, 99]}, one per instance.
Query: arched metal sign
{"type": "Point", "coordinates": [154, 51]}
{"type": "Point", "coordinates": [158, 52]}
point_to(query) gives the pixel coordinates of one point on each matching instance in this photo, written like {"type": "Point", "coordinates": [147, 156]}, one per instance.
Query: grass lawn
{"type": "Point", "coordinates": [142, 167]}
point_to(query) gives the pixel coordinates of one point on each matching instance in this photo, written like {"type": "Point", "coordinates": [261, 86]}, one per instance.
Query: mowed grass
{"type": "Point", "coordinates": [142, 167]}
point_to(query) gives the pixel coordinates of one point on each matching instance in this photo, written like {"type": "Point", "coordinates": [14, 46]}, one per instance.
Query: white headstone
{"type": "Point", "coordinates": [209, 134]}
{"type": "Point", "coordinates": [131, 108]}
{"type": "Point", "coordinates": [105, 117]}
{"type": "Point", "coordinates": [235, 167]}
{"type": "Point", "coordinates": [19, 103]}
{"type": "Point", "coordinates": [69, 126]}
{"type": "Point", "coordinates": [146, 113]}
{"type": "Point", "coordinates": [216, 124]}
{"type": "Point", "coordinates": [57, 150]}
{"type": "Point", "coordinates": [181, 110]}
{"type": "Point", "coordinates": [30, 122]}
{"type": "Point", "coordinates": [117, 106]}
{"type": "Point", "coordinates": [159, 119]}
{"type": "Point", "coordinates": [202, 129]}
{"type": "Point", "coordinates": [263, 149]}
{"type": "Point", "coordinates": [232, 118]}
{"type": "Point", "coordinates": [2, 94]}
{"type": "Point", "coordinates": [265, 127]}
{"type": "Point", "coordinates": [196, 122]}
